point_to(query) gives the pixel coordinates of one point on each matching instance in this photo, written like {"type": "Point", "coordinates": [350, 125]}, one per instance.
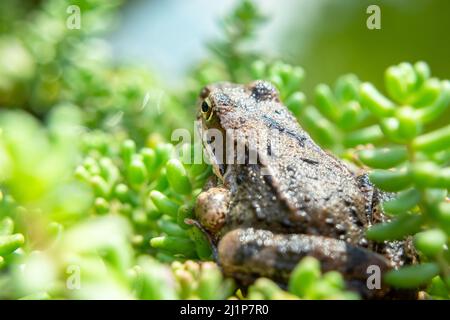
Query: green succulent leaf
{"type": "Point", "coordinates": [397, 229]}
{"type": "Point", "coordinates": [405, 201]}
{"type": "Point", "coordinates": [383, 158]}
{"type": "Point", "coordinates": [391, 180]}
{"type": "Point", "coordinates": [412, 276]}
{"type": "Point", "coordinates": [430, 242]}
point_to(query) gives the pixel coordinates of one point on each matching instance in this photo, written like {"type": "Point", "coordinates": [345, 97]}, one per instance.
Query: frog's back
{"type": "Point", "coordinates": [295, 186]}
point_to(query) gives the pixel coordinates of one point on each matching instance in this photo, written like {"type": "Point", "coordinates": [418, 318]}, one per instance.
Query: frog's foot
{"type": "Point", "coordinates": [211, 209]}
{"type": "Point", "coordinates": [246, 254]}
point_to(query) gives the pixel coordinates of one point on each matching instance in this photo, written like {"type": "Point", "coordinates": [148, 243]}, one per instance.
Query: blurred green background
{"type": "Point", "coordinates": [327, 38]}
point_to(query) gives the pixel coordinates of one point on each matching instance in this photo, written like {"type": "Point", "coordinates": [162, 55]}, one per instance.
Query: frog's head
{"type": "Point", "coordinates": [227, 106]}
{"type": "Point", "coordinates": [226, 101]}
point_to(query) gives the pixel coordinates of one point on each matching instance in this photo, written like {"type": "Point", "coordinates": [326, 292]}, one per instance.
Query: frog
{"type": "Point", "coordinates": [282, 197]}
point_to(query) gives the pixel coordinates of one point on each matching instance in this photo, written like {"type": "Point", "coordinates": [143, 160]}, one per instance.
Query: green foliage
{"type": "Point", "coordinates": [416, 164]}
{"type": "Point", "coordinates": [90, 185]}
{"type": "Point", "coordinates": [9, 241]}
{"type": "Point", "coordinates": [238, 28]}
{"type": "Point", "coordinates": [306, 282]}
{"type": "Point", "coordinates": [201, 281]}
{"type": "Point", "coordinates": [152, 188]}
{"type": "Point", "coordinates": [44, 63]}
{"type": "Point", "coordinates": [231, 59]}
{"type": "Point", "coordinates": [286, 78]}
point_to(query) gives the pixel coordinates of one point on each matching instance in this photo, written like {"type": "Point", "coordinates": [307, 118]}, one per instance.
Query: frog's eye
{"type": "Point", "coordinates": [206, 109]}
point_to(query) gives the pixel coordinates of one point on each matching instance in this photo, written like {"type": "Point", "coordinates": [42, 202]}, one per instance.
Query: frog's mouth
{"type": "Point", "coordinates": [219, 166]}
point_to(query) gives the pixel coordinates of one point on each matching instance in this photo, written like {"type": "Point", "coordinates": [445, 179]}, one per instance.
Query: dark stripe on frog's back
{"type": "Point", "coordinates": [295, 131]}
{"type": "Point", "coordinates": [273, 124]}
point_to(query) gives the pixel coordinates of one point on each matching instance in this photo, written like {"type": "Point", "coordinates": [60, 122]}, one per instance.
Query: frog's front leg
{"type": "Point", "coordinates": [246, 254]}
{"type": "Point", "coordinates": [211, 209]}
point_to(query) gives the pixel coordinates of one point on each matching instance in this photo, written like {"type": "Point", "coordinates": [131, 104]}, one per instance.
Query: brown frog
{"type": "Point", "coordinates": [282, 197]}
